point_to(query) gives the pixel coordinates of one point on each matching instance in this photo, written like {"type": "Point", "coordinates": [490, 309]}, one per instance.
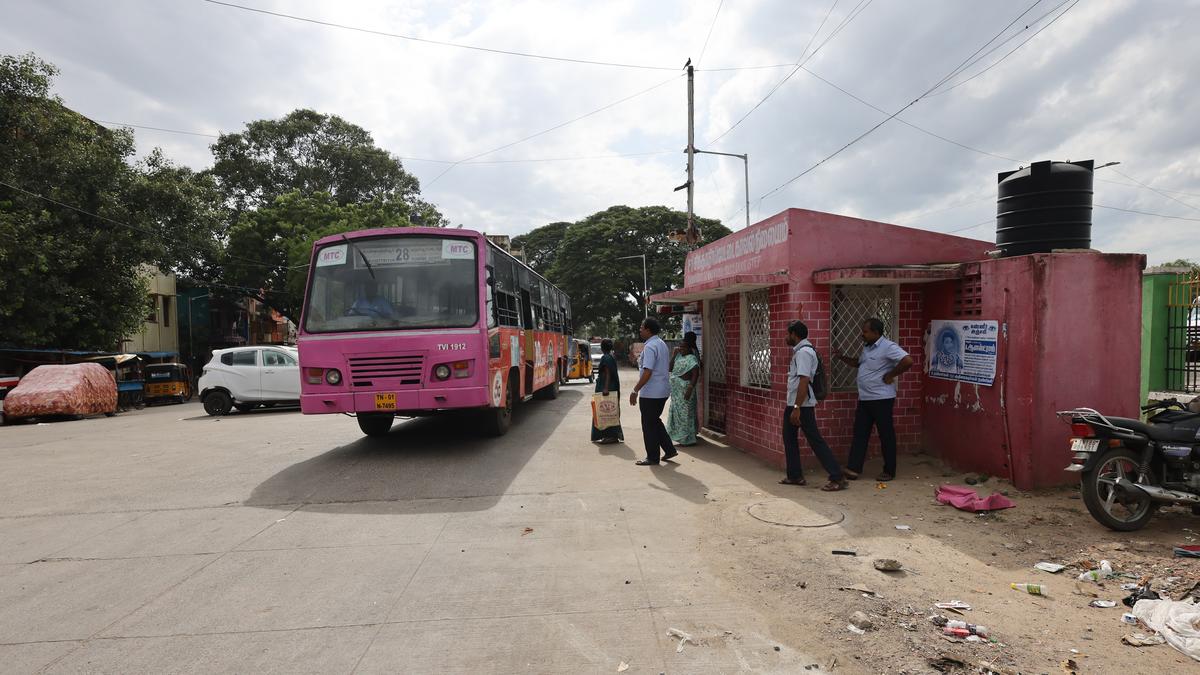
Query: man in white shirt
{"type": "Point", "coordinates": [654, 385]}
{"type": "Point", "coordinates": [880, 363]}
{"type": "Point", "coordinates": [800, 413]}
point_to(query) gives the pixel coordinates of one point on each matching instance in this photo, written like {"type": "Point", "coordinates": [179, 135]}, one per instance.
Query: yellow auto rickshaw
{"type": "Point", "coordinates": [581, 362]}
{"type": "Point", "coordinates": [168, 382]}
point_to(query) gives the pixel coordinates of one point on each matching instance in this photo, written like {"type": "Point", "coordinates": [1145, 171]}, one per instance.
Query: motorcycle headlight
{"type": "Point", "coordinates": [333, 376]}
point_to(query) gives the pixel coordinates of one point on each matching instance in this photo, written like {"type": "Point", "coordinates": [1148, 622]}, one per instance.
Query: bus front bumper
{"type": "Point", "coordinates": [416, 400]}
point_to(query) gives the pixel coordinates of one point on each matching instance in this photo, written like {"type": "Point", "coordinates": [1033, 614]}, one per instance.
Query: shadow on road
{"type": "Point", "coordinates": [434, 465]}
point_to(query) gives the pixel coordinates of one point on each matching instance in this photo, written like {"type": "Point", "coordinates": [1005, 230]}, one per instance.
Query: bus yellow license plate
{"type": "Point", "coordinates": [385, 401]}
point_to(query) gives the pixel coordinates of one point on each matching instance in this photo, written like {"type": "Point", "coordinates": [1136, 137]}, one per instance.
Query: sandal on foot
{"type": "Point", "coordinates": [789, 481]}
{"type": "Point", "coordinates": [884, 477]}
{"type": "Point", "coordinates": [834, 486]}
{"type": "Point", "coordinates": [645, 462]}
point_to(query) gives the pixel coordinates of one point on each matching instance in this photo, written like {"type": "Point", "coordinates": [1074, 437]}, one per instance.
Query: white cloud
{"type": "Point", "coordinates": [1110, 81]}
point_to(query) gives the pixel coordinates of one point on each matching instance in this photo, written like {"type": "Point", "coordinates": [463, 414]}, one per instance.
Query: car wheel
{"type": "Point", "coordinates": [375, 424]}
{"type": "Point", "coordinates": [217, 403]}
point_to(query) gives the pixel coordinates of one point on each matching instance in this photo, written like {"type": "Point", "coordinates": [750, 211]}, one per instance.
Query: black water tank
{"type": "Point", "coordinates": [1044, 207]}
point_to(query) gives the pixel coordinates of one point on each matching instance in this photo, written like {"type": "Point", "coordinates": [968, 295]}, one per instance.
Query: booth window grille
{"type": "Point", "coordinates": [968, 297]}
{"type": "Point", "coordinates": [756, 353]}
{"type": "Point", "coordinates": [714, 342]}
{"type": "Point", "coordinates": [849, 307]}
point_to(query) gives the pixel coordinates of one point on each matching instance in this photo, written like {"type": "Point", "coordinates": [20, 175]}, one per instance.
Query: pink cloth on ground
{"type": "Point", "coordinates": [968, 500]}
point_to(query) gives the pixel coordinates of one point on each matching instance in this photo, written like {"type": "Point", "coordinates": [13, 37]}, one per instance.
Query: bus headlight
{"type": "Point", "coordinates": [442, 372]}
{"type": "Point", "coordinates": [333, 376]}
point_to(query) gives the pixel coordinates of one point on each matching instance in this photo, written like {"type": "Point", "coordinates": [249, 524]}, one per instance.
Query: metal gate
{"type": "Point", "coordinates": [715, 366]}
{"type": "Point", "coordinates": [850, 306]}
{"type": "Point", "coordinates": [1183, 334]}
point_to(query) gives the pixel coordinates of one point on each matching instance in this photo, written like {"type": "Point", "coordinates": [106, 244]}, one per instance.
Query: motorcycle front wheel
{"type": "Point", "coordinates": [1110, 506]}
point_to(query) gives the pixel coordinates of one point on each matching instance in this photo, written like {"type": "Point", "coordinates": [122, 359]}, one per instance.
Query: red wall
{"type": "Point", "coordinates": [1073, 339]}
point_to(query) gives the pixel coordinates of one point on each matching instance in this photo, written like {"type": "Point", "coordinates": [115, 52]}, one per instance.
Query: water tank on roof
{"type": "Point", "coordinates": [1044, 207]}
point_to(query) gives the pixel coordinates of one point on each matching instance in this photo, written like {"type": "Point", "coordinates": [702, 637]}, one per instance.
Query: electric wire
{"type": "Point", "coordinates": [710, 30]}
{"type": "Point", "coordinates": [1154, 190]}
{"type": "Point", "coordinates": [553, 128]}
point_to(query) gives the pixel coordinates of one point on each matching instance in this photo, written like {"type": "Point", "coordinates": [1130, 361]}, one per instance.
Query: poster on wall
{"type": "Point", "coordinates": [695, 323]}
{"type": "Point", "coordinates": [962, 351]}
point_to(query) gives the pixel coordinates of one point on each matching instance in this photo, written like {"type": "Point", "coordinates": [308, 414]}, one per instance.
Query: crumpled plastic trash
{"type": "Point", "coordinates": [1103, 572]}
{"type": "Point", "coordinates": [1176, 621]}
{"type": "Point", "coordinates": [682, 636]}
{"type": "Point", "coordinates": [966, 499]}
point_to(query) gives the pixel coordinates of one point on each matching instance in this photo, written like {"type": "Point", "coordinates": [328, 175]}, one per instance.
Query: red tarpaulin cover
{"type": "Point", "coordinates": [968, 500]}
{"type": "Point", "coordinates": [75, 389]}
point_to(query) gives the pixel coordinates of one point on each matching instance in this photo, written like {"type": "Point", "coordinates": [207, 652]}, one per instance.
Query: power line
{"type": "Point", "coordinates": [968, 62]}
{"type": "Point", "coordinates": [710, 30]}
{"type": "Point", "coordinates": [553, 128]}
{"type": "Point", "coordinates": [862, 5]}
{"type": "Point", "coordinates": [1156, 190]}
{"type": "Point", "coordinates": [971, 227]}
{"type": "Point", "coordinates": [135, 228]}
{"type": "Point", "coordinates": [1010, 53]}
{"type": "Point", "coordinates": [441, 43]}
{"type": "Point", "coordinates": [169, 131]}
{"type": "Point", "coordinates": [887, 119]}
{"type": "Point", "coordinates": [1178, 192]}
{"type": "Point", "coordinates": [1145, 213]}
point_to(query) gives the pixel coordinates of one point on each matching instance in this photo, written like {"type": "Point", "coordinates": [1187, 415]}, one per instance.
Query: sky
{"type": "Point", "coordinates": [555, 139]}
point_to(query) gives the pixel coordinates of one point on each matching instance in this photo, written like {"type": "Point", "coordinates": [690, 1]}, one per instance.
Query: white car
{"type": "Point", "coordinates": [247, 377]}
{"type": "Point", "coordinates": [596, 353]}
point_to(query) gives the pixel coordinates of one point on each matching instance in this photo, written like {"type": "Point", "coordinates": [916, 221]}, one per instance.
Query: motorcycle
{"type": "Point", "coordinates": [1129, 468]}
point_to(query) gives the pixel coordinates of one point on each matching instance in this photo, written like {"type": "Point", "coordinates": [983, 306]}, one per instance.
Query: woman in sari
{"type": "Point", "coordinates": [608, 383]}
{"type": "Point", "coordinates": [684, 374]}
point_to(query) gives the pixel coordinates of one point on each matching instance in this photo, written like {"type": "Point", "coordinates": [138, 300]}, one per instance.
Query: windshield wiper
{"type": "Point", "coordinates": [360, 254]}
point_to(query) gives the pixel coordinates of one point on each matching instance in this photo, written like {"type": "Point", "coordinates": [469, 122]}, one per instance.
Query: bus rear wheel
{"type": "Point", "coordinates": [375, 424]}
{"type": "Point", "coordinates": [497, 421]}
{"type": "Point", "coordinates": [549, 393]}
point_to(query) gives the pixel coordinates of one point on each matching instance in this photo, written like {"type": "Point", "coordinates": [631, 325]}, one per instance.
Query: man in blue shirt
{"type": "Point", "coordinates": [880, 363]}
{"type": "Point", "coordinates": [654, 385]}
{"type": "Point", "coordinates": [800, 413]}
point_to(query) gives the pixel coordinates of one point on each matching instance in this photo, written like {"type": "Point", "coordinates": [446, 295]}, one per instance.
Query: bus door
{"type": "Point", "coordinates": [527, 344]}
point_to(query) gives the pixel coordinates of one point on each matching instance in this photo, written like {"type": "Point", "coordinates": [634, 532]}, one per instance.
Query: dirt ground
{"type": "Point", "coordinates": [947, 555]}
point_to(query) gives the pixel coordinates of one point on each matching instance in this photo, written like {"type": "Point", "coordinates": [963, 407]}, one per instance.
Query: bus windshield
{"type": "Point", "coordinates": [388, 283]}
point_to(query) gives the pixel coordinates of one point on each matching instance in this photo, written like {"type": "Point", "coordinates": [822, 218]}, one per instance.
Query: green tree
{"type": "Point", "coordinates": [1183, 262]}
{"type": "Point", "coordinates": [603, 288]}
{"type": "Point", "coordinates": [78, 221]}
{"type": "Point", "coordinates": [312, 153]}
{"type": "Point", "coordinates": [269, 248]}
{"type": "Point", "coordinates": [540, 245]}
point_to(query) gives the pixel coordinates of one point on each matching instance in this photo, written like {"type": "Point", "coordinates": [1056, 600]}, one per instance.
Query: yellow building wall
{"type": "Point", "coordinates": [162, 333]}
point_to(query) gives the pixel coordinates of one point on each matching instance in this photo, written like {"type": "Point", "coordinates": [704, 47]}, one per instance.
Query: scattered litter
{"type": "Point", "coordinates": [861, 621]}
{"type": "Point", "coordinates": [881, 486]}
{"type": "Point", "coordinates": [528, 530]}
{"type": "Point", "coordinates": [623, 667]}
{"type": "Point", "coordinates": [1032, 589]}
{"type": "Point", "coordinates": [844, 551]}
{"type": "Point", "coordinates": [855, 629]}
{"type": "Point", "coordinates": [1069, 666]}
{"type": "Point", "coordinates": [953, 604]}
{"type": "Point", "coordinates": [888, 565]}
{"type": "Point", "coordinates": [1085, 590]}
{"type": "Point", "coordinates": [970, 628]}
{"type": "Point", "coordinates": [974, 638]}
{"type": "Point", "coordinates": [945, 664]}
{"type": "Point", "coordinates": [966, 499]}
{"type": "Point", "coordinates": [1105, 571]}
{"type": "Point", "coordinates": [861, 589]}
{"type": "Point", "coordinates": [904, 528]}
{"type": "Point", "coordinates": [1103, 604]}
{"type": "Point", "coordinates": [1176, 621]}
{"type": "Point", "coordinates": [1143, 640]}
{"type": "Point", "coordinates": [1143, 593]}
{"type": "Point", "coordinates": [683, 637]}
{"type": "Point", "coordinates": [1187, 551]}
{"type": "Point", "coordinates": [1129, 618]}
{"type": "Point", "coordinates": [988, 668]}
{"type": "Point", "coordinates": [1129, 587]}
{"type": "Point", "coordinates": [1052, 568]}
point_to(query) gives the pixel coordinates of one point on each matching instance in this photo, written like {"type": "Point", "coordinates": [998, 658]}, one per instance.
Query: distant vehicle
{"type": "Point", "coordinates": [596, 354]}
{"type": "Point", "coordinates": [248, 377]}
{"type": "Point", "coordinates": [7, 382]}
{"type": "Point", "coordinates": [63, 390]}
{"type": "Point", "coordinates": [168, 382]}
{"type": "Point", "coordinates": [579, 363]}
{"type": "Point", "coordinates": [416, 321]}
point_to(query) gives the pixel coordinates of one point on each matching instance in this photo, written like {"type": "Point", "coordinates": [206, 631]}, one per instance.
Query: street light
{"type": "Point", "coordinates": [645, 286]}
{"type": "Point", "coordinates": [746, 159]}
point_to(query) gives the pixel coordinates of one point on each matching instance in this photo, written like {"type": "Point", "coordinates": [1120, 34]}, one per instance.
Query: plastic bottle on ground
{"type": "Point", "coordinates": [971, 628]}
{"type": "Point", "coordinates": [1032, 589]}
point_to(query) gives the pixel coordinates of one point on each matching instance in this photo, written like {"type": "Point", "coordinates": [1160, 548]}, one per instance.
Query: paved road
{"type": "Point", "coordinates": [168, 541]}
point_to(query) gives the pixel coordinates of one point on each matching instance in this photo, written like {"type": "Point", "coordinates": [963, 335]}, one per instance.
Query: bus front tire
{"type": "Point", "coordinates": [376, 424]}
{"type": "Point", "coordinates": [497, 421]}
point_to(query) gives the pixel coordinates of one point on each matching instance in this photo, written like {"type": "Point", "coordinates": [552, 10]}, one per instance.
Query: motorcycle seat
{"type": "Point", "coordinates": [1158, 432]}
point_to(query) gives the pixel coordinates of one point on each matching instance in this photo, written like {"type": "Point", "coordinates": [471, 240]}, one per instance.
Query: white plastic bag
{"type": "Point", "coordinates": [1177, 621]}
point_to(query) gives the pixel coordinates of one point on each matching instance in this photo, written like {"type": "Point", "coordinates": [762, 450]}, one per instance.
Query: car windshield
{"type": "Point", "coordinates": [596, 351]}
{"type": "Point", "coordinates": [387, 283]}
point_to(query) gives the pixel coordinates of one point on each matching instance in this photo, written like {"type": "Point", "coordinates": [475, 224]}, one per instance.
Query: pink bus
{"type": "Point", "coordinates": [415, 321]}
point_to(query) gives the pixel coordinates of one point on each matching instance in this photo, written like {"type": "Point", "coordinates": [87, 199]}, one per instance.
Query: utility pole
{"type": "Point", "coordinates": [692, 235]}
{"type": "Point", "coordinates": [746, 160]}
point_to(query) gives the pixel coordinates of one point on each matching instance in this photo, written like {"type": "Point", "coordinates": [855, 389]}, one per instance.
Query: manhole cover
{"type": "Point", "coordinates": [790, 514]}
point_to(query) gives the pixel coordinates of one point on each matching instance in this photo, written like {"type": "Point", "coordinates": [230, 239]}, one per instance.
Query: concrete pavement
{"type": "Point", "coordinates": [168, 541]}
